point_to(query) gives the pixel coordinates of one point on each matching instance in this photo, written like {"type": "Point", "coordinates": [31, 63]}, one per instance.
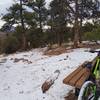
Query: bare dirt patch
{"type": "Point", "coordinates": [68, 49]}
{"type": "Point", "coordinates": [71, 96]}
{"type": "Point", "coordinates": [92, 46]}
{"type": "Point", "coordinates": [58, 51]}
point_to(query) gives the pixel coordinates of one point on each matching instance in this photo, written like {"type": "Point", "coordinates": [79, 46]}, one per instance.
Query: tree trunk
{"type": "Point", "coordinates": [40, 19]}
{"type": "Point", "coordinates": [60, 38]}
{"type": "Point", "coordinates": [24, 42]}
{"type": "Point", "coordinates": [23, 26]}
{"type": "Point", "coordinates": [81, 20]}
{"type": "Point", "coordinates": [80, 31]}
{"type": "Point", "coordinates": [40, 25]}
{"type": "Point", "coordinates": [76, 26]}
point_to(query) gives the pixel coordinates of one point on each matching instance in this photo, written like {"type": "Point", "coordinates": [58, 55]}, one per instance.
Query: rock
{"type": "Point", "coordinates": [57, 71]}
{"type": "Point", "coordinates": [46, 85]}
{"type": "Point", "coordinates": [3, 60]}
{"type": "Point", "coordinates": [50, 81]}
{"type": "Point", "coordinates": [21, 92]}
{"type": "Point", "coordinates": [22, 59]}
{"type": "Point", "coordinates": [16, 60]}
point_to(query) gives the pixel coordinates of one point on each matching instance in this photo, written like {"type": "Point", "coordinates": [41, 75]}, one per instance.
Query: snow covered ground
{"type": "Point", "coordinates": [22, 80]}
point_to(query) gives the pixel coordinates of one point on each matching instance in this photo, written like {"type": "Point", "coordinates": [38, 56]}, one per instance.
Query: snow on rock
{"type": "Point", "coordinates": [50, 81]}
{"type": "Point", "coordinates": [22, 80]}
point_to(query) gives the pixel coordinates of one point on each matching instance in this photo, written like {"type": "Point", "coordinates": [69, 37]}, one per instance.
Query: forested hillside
{"type": "Point", "coordinates": [31, 23]}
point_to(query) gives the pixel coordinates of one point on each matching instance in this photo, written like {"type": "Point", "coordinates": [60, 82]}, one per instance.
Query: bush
{"type": "Point", "coordinates": [18, 33]}
{"type": "Point", "coordinates": [35, 37]}
{"type": "Point", "coordinates": [91, 36]}
{"type": "Point", "coordinates": [10, 45]}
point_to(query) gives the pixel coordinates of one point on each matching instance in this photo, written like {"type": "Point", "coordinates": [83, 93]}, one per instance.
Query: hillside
{"type": "Point", "coordinates": [22, 74]}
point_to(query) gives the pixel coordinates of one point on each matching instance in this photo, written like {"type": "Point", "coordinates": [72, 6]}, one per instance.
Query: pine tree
{"type": "Point", "coordinates": [82, 9]}
{"type": "Point", "coordinates": [17, 14]}
{"type": "Point", "coordinates": [40, 10]}
{"type": "Point", "coordinates": [59, 14]}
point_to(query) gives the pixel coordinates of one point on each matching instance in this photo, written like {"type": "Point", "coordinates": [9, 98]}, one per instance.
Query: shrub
{"type": "Point", "coordinates": [35, 37]}
{"type": "Point", "coordinates": [93, 35]}
{"type": "Point", "coordinates": [10, 45]}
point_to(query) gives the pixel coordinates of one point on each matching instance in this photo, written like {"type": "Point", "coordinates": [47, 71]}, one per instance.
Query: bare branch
{"type": "Point", "coordinates": [68, 4]}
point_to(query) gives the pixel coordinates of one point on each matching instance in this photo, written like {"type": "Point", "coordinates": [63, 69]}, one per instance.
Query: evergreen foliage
{"type": "Point", "coordinates": [28, 25]}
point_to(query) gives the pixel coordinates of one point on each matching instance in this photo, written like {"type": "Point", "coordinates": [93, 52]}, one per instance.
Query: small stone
{"type": "Point", "coordinates": [21, 92]}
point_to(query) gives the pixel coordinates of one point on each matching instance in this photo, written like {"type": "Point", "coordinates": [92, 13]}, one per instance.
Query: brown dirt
{"type": "Point", "coordinates": [71, 96]}
{"type": "Point", "coordinates": [92, 46]}
{"type": "Point", "coordinates": [58, 51]}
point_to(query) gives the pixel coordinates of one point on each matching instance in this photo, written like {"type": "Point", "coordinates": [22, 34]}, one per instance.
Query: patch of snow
{"type": "Point", "coordinates": [23, 81]}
